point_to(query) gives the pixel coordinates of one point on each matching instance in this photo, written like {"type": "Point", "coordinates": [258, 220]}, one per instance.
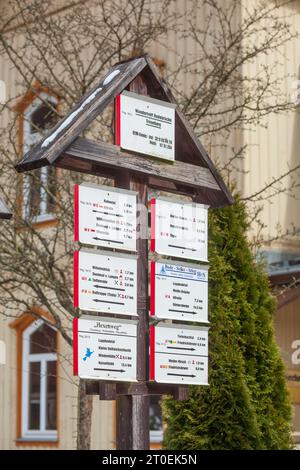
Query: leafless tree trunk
{"type": "Point", "coordinates": [84, 422]}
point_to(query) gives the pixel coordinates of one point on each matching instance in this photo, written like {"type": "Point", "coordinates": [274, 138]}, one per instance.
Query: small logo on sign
{"type": "Point", "coordinates": [88, 354]}
{"type": "Point", "coordinates": [163, 269]}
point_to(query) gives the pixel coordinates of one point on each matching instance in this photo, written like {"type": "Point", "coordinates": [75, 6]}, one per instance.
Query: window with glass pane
{"type": "Point", "coordinates": [39, 381]}
{"type": "Point", "coordinates": [51, 395]}
{"type": "Point", "coordinates": [34, 395]}
{"type": "Point", "coordinates": [40, 185]}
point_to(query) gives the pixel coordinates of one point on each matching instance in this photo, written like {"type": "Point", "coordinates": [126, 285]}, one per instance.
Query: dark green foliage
{"type": "Point", "coordinates": [246, 405]}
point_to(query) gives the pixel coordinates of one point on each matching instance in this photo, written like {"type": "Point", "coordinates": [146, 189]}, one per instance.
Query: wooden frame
{"type": "Point", "coordinates": [59, 148]}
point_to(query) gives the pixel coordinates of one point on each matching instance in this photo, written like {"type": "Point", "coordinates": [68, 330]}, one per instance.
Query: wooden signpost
{"type": "Point", "coordinates": [155, 148]}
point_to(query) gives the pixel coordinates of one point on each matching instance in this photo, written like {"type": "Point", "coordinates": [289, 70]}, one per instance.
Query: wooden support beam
{"type": "Point", "coordinates": [82, 154]}
{"type": "Point", "coordinates": [112, 390]}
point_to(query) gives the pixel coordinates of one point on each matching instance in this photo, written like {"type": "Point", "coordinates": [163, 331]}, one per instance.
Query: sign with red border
{"type": "Point", "coordinates": [145, 125]}
{"type": "Point", "coordinates": [179, 229]}
{"type": "Point", "coordinates": [105, 282]}
{"type": "Point", "coordinates": [105, 349]}
{"type": "Point", "coordinates": [179, 291]}
{"type": "Point", "coordinates": [105, 217]}
{"type": "Point", "coordinates": [179, 354]}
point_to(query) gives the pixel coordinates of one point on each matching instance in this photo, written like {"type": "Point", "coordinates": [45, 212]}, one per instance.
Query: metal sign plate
{"type": "Point", "coordinates": [105, 217]}
{"type": "Point", "coordinates": [146, 125]}
{"type": "Point", "coordinates": [179, 229]}
{"type": "Point", "coordinates": [179, 354]}
{"type": "Point", "coordinates": [104, 282]}
{"type": "Point", "coordinates": [179, 291]}
{"type": "Point", "coordinates": [105, 349]}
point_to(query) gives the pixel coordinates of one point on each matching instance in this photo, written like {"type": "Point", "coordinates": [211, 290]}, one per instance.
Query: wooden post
{"type": "Point", "coordinates": [124, 422]}
{"type": "Point", "coordinates": [137, 423]}
{"type": "Point", "coordinates": [133, 410]}
{"type": "Point", "coordinates": [140, 403]}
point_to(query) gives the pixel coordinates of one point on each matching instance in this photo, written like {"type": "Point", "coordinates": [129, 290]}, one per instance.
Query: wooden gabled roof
{"type": "Point", "coordinates": [4, 212]}
{"type": "Point", "coordinates": [60, 146]}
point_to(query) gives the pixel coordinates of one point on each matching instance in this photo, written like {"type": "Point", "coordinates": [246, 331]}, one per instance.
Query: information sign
{"type": "Point", "coordinates": [179, 229]}
{"type": "Point", "coordinates": [179, 291]}
{"type": "Point", "coordinates": [179, 354]}
{"type": "Point", "coordinates": [105, 348]}
{"type": "Point", "coordinates": [105, 282]}
{"type": "Point", "coordinates": [145, 125]}
{"type": "Point", "coordinates": [105, 216]}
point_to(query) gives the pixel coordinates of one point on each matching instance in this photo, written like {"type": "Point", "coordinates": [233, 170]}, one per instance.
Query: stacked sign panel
{"type": "Point", "coordinates": [105, 348]}
{"type": "Point", "coordinates": [179, 229]}
{"type": "Point", "coordinates": [179, 354]}
{"type": "Point", "coordinates": [105, 282]}
{"type": "Point", "coordinates": [179, 291]}
{"type": "Point", "coordinates": [105, 217]}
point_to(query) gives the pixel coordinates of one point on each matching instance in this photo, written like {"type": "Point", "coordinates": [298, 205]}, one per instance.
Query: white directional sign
{"type": "Point", "coordinates": [104, 348]}
{"type": "Point", "coordinates": [104, 282]}
{"type": "Point", "coordinates": [179, 291]}
{"type": "Point", "coordinates": [145, 125]}
{"type": "Point", "coordinates": [179, 354]}
{"type": "Point", "coordinates": [105, 216]}
{"type": "Point", "coordinates": [179, 229]}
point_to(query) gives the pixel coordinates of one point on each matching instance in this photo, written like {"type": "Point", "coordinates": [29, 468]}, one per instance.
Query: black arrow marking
{"type": "Point", "coordinates": [107, 213]}
{"type": "Point", "coordinates": [108, 240]}
{"type": "Point", "coordinates": [182, 247]}
{"type": "Point", "coordinates": [108, 302]}
{"type": "Point", "coordinates": [182, 375]}
{"type": "Point", "coordinates": [110, 370]}
{"type": "Point", "coordinates": [176, 347]}
{"type": "Point", "coordinates": [181, 311]}
{"type": "Point", "coordinates": [110, 288]}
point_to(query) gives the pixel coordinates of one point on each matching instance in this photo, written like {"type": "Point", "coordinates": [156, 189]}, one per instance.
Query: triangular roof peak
{"type": "Point", "coordinates": [188, 147]}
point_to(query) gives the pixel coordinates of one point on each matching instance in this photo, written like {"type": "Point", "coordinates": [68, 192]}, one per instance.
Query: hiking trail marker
{"type": "Point", "coordinates": [105, 217]}
{"type": "Point", "coordinates": [179, 229]}
{"type": "Point", "coordinates": [179, 354]}
{"type": "Point", "coordinates": [105, 282]}
{"type": "Point", "coordinates": [105, 348]}
{"type": "Point", "coordinates": [179, 291]}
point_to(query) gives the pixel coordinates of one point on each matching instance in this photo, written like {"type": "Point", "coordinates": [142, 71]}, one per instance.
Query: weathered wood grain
{"type": "Point", "coordinates": [41, 155]}
{"type": "Point", "coordinates": [188, 148]}
{"type": "Point", "coordinates": [110, 156]}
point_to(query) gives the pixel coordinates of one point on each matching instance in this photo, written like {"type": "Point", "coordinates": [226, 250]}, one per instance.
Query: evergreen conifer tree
{"type": "Point", "coordinates": [246, 405]}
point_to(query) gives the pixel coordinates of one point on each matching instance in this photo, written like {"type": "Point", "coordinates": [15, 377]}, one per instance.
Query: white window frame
{"type": "Point", "coordinates": [30, 139]}
{"type": "Point", "coordinates": [43, 358]}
